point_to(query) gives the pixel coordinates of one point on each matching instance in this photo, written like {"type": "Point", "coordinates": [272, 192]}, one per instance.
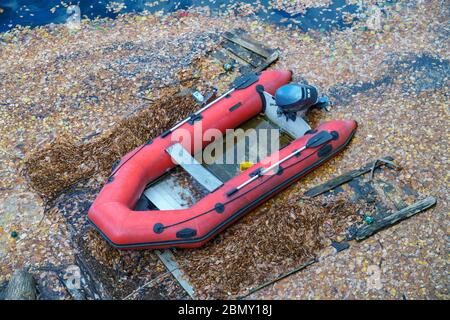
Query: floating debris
{"type": "Point", "coordinates": [81, 84]}
{"type": "Point", "coordinates": [61, 163]}
{"type": "Point", "coordinates": [283, 234]}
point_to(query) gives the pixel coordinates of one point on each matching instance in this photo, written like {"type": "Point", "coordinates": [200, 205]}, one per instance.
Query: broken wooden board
{"type": "Point", "coordinates": [240, 50]}
{"type": "Point", "coordinates": [394, 201]}
{"type": "Point", "coordinates": [242, 38]}
{"type": "Point", "coordinates": [391, 199]}
{"type": "Point", "coordinates": [368, 230]}
{"type": "Point", "coordinates": [246, 56]}
{"type": "Point", "coordinates": [345, 178]}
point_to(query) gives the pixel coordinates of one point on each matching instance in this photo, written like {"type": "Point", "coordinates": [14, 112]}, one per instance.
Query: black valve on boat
{"type": "Point", "coordinates": [296, 97]}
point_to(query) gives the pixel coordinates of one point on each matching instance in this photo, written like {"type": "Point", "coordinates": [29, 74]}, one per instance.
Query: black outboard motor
{"type": "Point", "coordinates": [296, 98]}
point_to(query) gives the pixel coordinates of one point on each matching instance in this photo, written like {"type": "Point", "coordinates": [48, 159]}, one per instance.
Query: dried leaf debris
{"type": "Point", "coordinates": [392, 78]}
{"type": "Point", "coordinates": [63, 162]}
{"type": "Point", "coordinates": [282, 235]}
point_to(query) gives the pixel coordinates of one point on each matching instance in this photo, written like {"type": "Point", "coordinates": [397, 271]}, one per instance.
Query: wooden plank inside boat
{"type": "Point", "coordinates": [168, 194]}
{"type": "Point", "coordinates": [224, 170]}
{"type": "Point", "coordinates": [175, 190]}
{"type": "Point", "coordinates": [181, 156]}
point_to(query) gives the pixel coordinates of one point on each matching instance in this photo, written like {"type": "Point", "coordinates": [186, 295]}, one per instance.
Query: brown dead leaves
{"type": "Point", "coordinates": [62, 162]}
{"type": "Point", "coordinates": [269, 242]}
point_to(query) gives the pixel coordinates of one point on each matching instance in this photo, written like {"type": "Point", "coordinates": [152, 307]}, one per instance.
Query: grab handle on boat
{"type": "Point", "coordinates": [315, 141]}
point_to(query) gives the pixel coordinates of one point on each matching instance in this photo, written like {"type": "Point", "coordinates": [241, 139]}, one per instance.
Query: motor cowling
{"type": "Point", "coordinates": [296, 97]}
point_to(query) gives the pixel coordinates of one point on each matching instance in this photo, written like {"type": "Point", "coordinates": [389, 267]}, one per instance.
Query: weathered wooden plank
{"type": "Point", "coordinates": [193, 167]}
{"type": "Point", "coordinates": [390, 193]}
{"type": "Point", "coordinates": [250, 57]}
{"type": "Point", "coordinates": [167, 194]}
{"type": "Point", "coordinates": [346, 177]}
{"type": "Point", "coordinates": [234, 57]}
{"type": "Point", "coordinates": [243, 52]}
{"type": "Point", "coordinates": [247, 43]}
{"type": "Point", "coordinates": [168, 259]}
{"type": "Point", "coordinates": [370, 229]}
{"type": "Point", "coordinates": [21, 286]}
{"type": "Point", "coordinates": [271, 59]}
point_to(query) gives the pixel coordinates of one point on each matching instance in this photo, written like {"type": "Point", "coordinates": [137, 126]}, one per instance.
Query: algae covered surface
{"type": "Point", "coordinates": [68, 98]}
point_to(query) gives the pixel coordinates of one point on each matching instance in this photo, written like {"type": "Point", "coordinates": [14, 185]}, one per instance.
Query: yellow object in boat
{"type": "Point", "coordinates": [245, 165]}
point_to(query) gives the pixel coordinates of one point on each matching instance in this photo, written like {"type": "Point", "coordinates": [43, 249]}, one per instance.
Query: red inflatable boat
{"type": "Point", "coordinates": [114, 212]}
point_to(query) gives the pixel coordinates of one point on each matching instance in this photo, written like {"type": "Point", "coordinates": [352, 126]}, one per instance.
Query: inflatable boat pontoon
{"type": "Point", "coordinates": [138, 207]}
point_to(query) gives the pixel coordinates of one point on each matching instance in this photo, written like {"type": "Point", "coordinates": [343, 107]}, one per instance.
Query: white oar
{"type": "Point", "coordinates": [240, 83]}
{"type": "Point", "coordinates": [179, 124]}
{"type": "Point", "coordinates": [315, 141]}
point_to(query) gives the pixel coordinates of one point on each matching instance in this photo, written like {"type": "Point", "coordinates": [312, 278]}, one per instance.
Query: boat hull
{"type": "Point", "coordinates": [112, 213]}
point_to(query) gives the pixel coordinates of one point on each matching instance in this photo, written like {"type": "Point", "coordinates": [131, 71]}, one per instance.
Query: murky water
{"type": "Point", "coordinates": [391, 80]}
{"type": "Point", "coordinates": [40, 12]}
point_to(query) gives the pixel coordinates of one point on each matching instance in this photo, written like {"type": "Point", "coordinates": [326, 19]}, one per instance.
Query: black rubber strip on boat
{"type": "Point", "coordinates": [232, 218]}
{"type": "Point", "coordinates": [194, 117]}
{"type": "Point", "coordinates": [335, 135]}
{"type": "Point", "coordinates": [186, 233]}
{"type": "Point", "coordinates": [280, 171]}
{"type": "Point", "coordinates": [310, 131]}
{"type": "Point", "coordinates": [110, 179]}
{"type": "Point", "coordinates": [115, 164]}
{"type": "Point", "coordinates": [260, 91]}
{"type": "Point", "coordinates": [232, 191]}
{"type": "Point", "coordinates": [237, 105]}
{"type": "Point", "coordinates": [325, 150]}
{"type": "Point", "coordinates": [255, 173]}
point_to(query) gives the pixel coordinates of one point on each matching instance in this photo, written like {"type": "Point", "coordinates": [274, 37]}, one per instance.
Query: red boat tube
{"type": "Point", "coordinates": [112, 213]}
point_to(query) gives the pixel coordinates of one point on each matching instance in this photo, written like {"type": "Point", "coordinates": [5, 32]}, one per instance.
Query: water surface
{"type": "Point", "coordinates": [40, 12]}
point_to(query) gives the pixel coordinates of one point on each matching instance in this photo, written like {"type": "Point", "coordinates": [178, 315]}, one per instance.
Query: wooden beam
{"type": "Point", "coordinates": [346, 177]}
{"type": "Point", "coordinates": [247, 44]}
{"type": "Point", "coordinates": [250, 57]}
{"type": "Point", "coordinates": [370, 229]}
{"type": "Point", "coordinates": [21, 286]}
{"type": "Point", "coordinates": [168, 259]}
{"type": "Point", "coordinates": [181, 156]}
